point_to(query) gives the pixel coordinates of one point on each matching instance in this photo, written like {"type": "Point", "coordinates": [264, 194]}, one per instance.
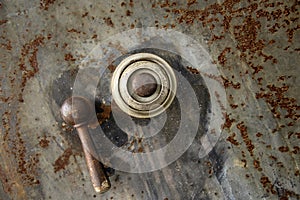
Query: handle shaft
{"type": "Point", "coordinates": [99, 179]}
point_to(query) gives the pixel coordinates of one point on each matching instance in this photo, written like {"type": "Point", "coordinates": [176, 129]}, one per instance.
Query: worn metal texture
{"type": "Point", "coordinates": [254, 44]}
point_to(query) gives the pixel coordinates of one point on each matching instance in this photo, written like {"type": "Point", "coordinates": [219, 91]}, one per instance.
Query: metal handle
{"type": "Point", "coordinates": [98, 177]}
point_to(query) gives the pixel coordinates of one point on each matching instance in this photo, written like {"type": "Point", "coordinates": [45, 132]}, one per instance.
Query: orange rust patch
{"type": "Point", "coordinates": [244, 134]}
{"type": "Point", "coordinates": [25, 171]}
{"type": "Point", "coordinates": [277, 100]}
{"type": "Point", "coordinates": [246, 35]}
{"type": "Point", "coordinates": [63, 160]}
{"type": "Point", "coordinates": [29, 51]}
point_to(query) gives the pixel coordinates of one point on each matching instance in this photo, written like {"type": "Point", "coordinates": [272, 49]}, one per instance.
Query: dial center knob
{"type": "Point", "coordinates": [143, 84]}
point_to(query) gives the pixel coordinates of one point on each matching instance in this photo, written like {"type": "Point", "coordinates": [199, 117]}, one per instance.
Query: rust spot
{"type": "Point", "coordinates": [6, 183]}
{"type": "Point", "coordinates": [273, 158]}
{"type": "Point", "coordinates": [228, 83]}
{"type": "Point", "coordinates": [69, 57]}
{"type": "Point", "coordinates": [256, 69]}
{"type": "Point", "coordinates": [7, 45]}
{"type": "Point", "coordinates": [44, 4]}
{"type": "Point", "coordinates": [283, 149]}
{"type": "Point", "coordinates": [191, 2]}
{"type": "Point", "coordinates": [85, 14]}
{"type": "Point", "coordinates": [220, 103]}
{"type": "Point", "coordinates": [64, 45]}
{"type": "Point", "coordinates": [256, 164]}
{"type": "Point", "coordinates": [192, 70]}
{"type": "Point", "coordinates": [3, 21]}
{"type": "Point", "coordinates": [244, 134]}
{"type": "Point", "coordinates": [228, 122]}
{"type": "Point", "coordinates": [111, 68]}
{"type": "Point", "coordinates": [226, 22]}
{"type": "Point", "coordinates": [274, 28]}
{"type": "Point", "coordinates": [245, 162]}
{"type": "Point", "coordinates": [131, 3]}
{"type": "Point", "coordinates": [290, 33]}
{"type": "Point", "coordinates": [234, 106]}
{"type": "Point", "coordinates": [63, 160]}
{"type": "Point", "coordinates": [167, 4]}
{"type": "Point", "coordinates": [296, 150]}
{"type": "Point", "coordinates": [277, 100]}
{"type": "Point", "coordinates": [222, 57]}
{"type": "Point", "coordinates": [140, 150]}
{"type": "Point", "coordinates": [73, 31]}
{"type": "Point", "coordinates": [246, 35]}
{"type": "Point", "coordinates": [29, 53]}
{"type": "Point", "coordinates": [259, 134]}
{"type": "Point", "coordinates": [128, 13]}
{"type": "Point", "coordinates": [208, 14]}
{"type": "Point", "coordinates": [267, 184]}
{"type": "Point", "coordinates": [215, 37]}
{"type": "Point", "coordinates": [108, 21]}
{"type": "Point", "coordinates": [232, 140]}
{"type": "Point", "coordinates": [44, 142]}
{"type": "Point", "coordinates": [104, 114]}
{"type": "Point", "coordinates": [276, 14]}
{"type": "Point", "coordinates": [49, 36]}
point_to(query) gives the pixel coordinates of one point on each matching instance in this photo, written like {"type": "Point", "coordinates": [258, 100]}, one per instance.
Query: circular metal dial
{"type": "Point", "coordinates": [143, 85]}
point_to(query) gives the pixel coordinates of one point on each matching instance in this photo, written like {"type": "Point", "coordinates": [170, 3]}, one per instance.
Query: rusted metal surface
{"type": "Point", "coordinates": [255, 45]}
